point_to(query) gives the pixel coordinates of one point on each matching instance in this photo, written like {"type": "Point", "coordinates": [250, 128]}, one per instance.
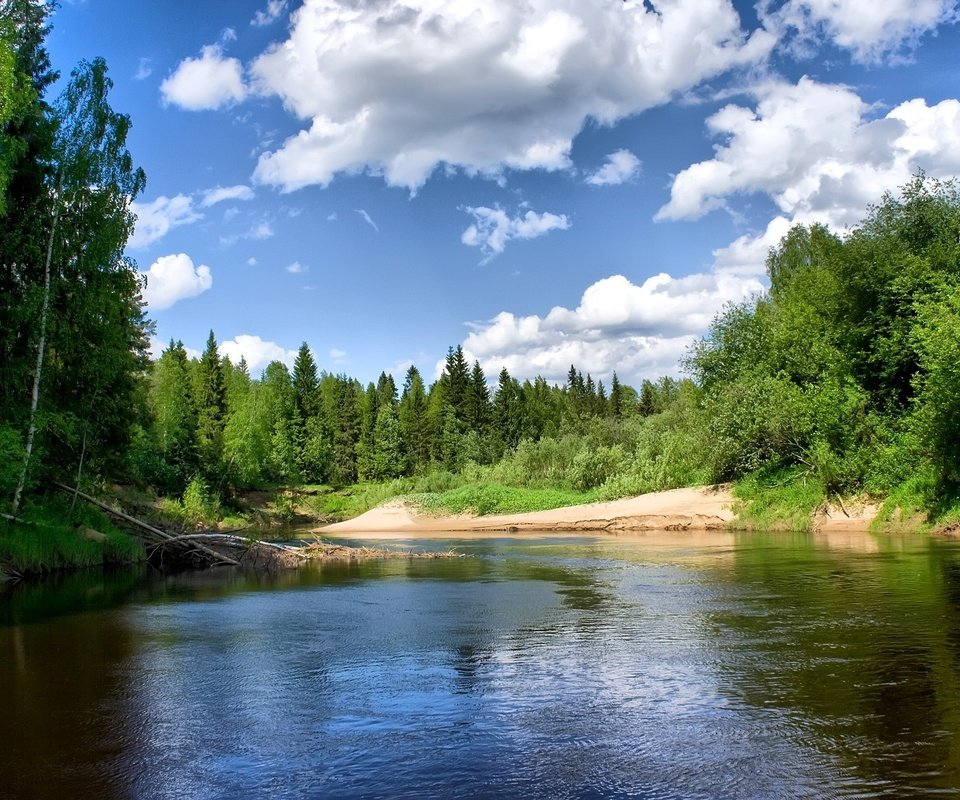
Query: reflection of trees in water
{"type": "Point", "coordinates": [55, 678]}
{"type": "Point", "coordinates": [858, 650]}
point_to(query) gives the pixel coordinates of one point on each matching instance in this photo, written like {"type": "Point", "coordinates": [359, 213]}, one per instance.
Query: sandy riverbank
{"type": "Point", "coordinates": [700, 509]}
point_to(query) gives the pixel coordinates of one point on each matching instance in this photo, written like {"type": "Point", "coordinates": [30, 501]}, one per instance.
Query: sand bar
{"type": "Point", "coordinates": [700, 509]}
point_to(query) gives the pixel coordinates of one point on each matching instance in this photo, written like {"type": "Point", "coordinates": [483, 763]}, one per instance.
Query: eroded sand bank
{"type": "Point", "coordinates": [699, 509]}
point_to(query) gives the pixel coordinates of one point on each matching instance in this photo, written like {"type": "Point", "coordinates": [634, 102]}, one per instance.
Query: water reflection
{"type": "Point", "coordinates": [653, 666]}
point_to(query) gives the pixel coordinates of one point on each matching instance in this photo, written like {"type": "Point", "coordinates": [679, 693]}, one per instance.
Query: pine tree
{"type": "Point", "coordinates": [174, 422]}
{"type": "Point", "coordinates": [386, 390]}
{"type": "Point", "coordinates": [616, 398]}
{"type": "Point", "coordinates": [210, 406]}
{"type": "Point", "coordinates": [478, 401]}
{"type": "Point", "coordinates": [346, 433]}
{"type": "Point", "coordinates": [507, 411]}
{"type": "Point", "coordinates": [413, 420]}
{"type": "Point", "coordinates": [456, 378]}
{"type": "Point", "coordinates": [369, 406]}
{"type": "Point", "coordinates": [306, 383]}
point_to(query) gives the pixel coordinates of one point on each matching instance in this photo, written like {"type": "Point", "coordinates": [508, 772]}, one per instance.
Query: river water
{"type": "Point", "coordinates": [658, 666]}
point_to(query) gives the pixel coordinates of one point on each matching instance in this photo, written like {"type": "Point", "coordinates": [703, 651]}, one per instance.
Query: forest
{"type": "Point", "coordinates": [842, 379]}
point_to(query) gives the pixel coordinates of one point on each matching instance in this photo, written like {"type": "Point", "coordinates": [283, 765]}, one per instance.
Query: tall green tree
{"type": "Point", "coordinates": [88, 188]}
{"type": "Point", "coordinates": [174, 422]}
{"type": "Point", "coordinates": [306, 384]}
{"type": "Point", "coordinates": [210, 406]}
{"type": "Point", "coordinates": [390, 451]}
{"type": "Point", "coordinates": [413, 419]}
{"type": "Point", "coordinates": [478, 401]}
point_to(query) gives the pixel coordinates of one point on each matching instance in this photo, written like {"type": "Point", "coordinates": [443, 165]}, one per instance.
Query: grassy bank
{"type": "Point", "coordinates": [54, 537]}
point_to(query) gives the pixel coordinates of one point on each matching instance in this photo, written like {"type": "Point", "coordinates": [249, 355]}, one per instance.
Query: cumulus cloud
{"type": "Point", "coordinates": [636, 330]}
{"type": "Point", "coordinates": [818, 152]}
{"type": "Point", "coordinates": [399, 87]}
{"type": "Point", "coordinates": [174, 278]}
{"type": "Point", "coordinates": [493, 228]}
{"type": "Point", "coordinates": [296, 268]}
{"type": "Point", "coordinates": [870, 30]}
{"type": "Point", "coordinates": [221, 193]}
{"type": "Point", "coordinates": [621, 167]}
{"type": "Point", "coordinates": [256, 351]}
{"type": "Point", "coordinates": [208, 82]}
{"type": "Point", "coordinates": [155, 219]}
{"type": "Point", "coordinates": [270, 14]}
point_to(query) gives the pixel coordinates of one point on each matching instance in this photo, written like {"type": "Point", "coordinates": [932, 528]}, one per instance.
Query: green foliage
{"type": "Point", "coordinates": [936, 337]}
{"type": "Point", "coordinates": [53, 540]}
{"type": "Point", "coordinates": [199, 507]}
{"type": "Point", "coordinates": [779, 499]}
{"type": "Point", "coordinates": [11, 457]}
{"type": "Point", "coordinates": [592, 468]}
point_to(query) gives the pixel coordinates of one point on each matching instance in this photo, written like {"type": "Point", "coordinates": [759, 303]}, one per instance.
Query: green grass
{"type": "Point", "coordinates": [52, 541]}
{"type": "Point", "coordinates": [780, 500]}
{"type": "Point", "coordinates": [918, 504]}
{"type": "Point", "coordinates": [487, 499]}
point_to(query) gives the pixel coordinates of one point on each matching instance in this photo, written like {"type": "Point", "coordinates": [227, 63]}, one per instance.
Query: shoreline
{"type": "Point", "coordinates": [697, 509]}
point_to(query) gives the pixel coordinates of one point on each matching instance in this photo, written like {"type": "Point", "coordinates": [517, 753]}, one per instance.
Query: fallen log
{"type": "Point", "coordinates": [156, 532]}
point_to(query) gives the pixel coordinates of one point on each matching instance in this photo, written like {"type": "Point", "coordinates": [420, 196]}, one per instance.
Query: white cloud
{"type": "Point", "coordinates": [155, 219]}
{"type": "Point", "coordinates": [256, 351]}
{"type": "Point", "coordinates": [638, 330]}
{"type": "Point", "coordinates": [251, 262]}
{"type": "Point", "coordinates": [270, 14]}
{"type": "Point", "coordinates": [296, 268]}
{"type": "Point", "coordinates": [747, 254]}
{"type": "Point", "coordinates": [338, 356]}
{"type": "Point", "coordinates": [144, 69]}
{"type": "Point", "coordinates": [399, 88]}
{"type": "Point", "coordinates": [367, 219]}
{"type": "Point", "coordinates": [173, 278]}
{"type": "Point", "coordinates": [869, 29]}
{"type": "Point", "coordinates": [817, 152]}
{"type": "Point", "coordinates": [259, 232]}
{"type": "Point", "coordinates": [493, 228]}
{"type": "Point", "coordinates": [621, 166]}
{"type": "Point", "coordinates": [208, 82]}
{"type": "Point", "coordinates": [221, 193]}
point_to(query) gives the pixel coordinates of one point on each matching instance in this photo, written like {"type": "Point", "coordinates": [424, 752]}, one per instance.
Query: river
{"type": "Point", "coordinates": [658, 666]}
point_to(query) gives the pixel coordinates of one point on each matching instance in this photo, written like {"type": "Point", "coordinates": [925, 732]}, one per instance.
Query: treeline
{"type": "Point", "coordinates": [846, 374]}
{"type": "Point", "coordinates": [843, 378]}
{"type": "Point", "coordinates": [210, 417]}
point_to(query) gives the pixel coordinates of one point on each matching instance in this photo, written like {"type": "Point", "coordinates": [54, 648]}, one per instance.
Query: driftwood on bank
{"type": "Point", "coordinates": [224, 547]}
{"type": "Point", "coordinates": [148, 533]}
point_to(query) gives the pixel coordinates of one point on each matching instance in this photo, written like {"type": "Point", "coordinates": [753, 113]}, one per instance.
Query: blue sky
{"type": "Point", "coordinates": [548, 182]}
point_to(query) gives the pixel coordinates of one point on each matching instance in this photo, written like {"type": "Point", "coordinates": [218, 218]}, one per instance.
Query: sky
{"type": "Point", "coordinates": [546, 182]}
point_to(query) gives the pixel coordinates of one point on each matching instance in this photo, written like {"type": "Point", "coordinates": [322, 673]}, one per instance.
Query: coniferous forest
{"type": "Point", "coordinates": [842, 379]}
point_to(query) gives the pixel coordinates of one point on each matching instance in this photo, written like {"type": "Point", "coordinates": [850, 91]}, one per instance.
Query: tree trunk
{"type": "Point", "coordinates": [35, 398]}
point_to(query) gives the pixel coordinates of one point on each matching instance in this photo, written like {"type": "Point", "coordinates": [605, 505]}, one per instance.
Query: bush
{"type": "Point", "coordinates": [592, 468]}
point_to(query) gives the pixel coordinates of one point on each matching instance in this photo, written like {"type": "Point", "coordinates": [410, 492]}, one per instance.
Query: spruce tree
{"type": "Point", "coordinates": [478, 401]}
{"type": "Point", "coordinates": [413, 420]}
{"type": "Point", "coordinates": [305, 383]}
{"type": "Point", "coordinates": [210, 405]}
{"type": "Point", "coordinates": [616, 398]}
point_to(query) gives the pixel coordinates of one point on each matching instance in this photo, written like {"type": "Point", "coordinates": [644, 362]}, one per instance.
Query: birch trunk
{"type": "Point", "coordinates": [35, 397]}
